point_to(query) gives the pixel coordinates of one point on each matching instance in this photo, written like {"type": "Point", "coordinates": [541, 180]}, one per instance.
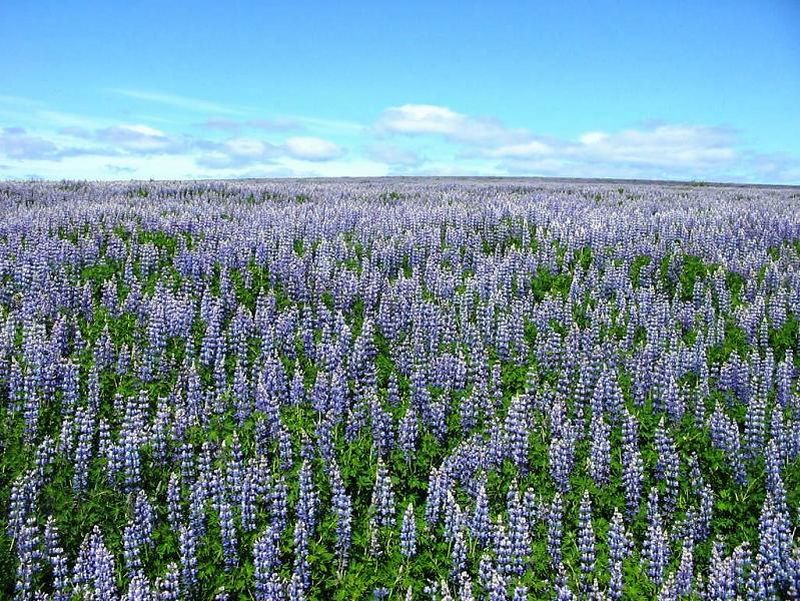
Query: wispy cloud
{"type": "Point", "coordinates": [16, 144]}
{"type": "Point", "coordinates": [19, 101]}
{"type": "Point", "coordinates": [330, 126]}
{"type": "Point", "coordinates": [222, 124]}
{"type": "Point", "coordinates": [176, 101]}
{"type": "Point", "coordinates": [277, 124]}
{"type": "Point", "coordinates": [126, 138]}
{"type": "Point", "coordinates": [138, 138]}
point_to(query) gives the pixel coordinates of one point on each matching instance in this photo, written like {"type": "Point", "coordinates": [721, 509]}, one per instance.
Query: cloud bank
{"type": "Point", "coordinates": [408, 139]}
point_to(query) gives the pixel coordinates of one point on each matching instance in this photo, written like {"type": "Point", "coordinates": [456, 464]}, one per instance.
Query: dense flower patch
{"type": "Point", "coordinates": [398, 390]}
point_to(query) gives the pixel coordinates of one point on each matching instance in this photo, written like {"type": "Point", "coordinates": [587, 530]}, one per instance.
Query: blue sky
{"type": "Point", "coordinates": [676, 90]}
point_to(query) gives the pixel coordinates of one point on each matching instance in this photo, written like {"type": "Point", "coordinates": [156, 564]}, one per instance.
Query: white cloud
{"type": "Point", "coordinates": [236, 152]}
{"type": "Point", "coordinates": [662, 146]}
{"type": "Point", "coordinates": [654, 150]}
{"type": "Point", "coordinates": [429, 119]}
{"type": "Point", "coordinates": [659, 151]}
{"type": "Point", "coordinates": [593, 137]}
{"type": "Point", "coordinates": [247, 147]}
{"type": "Point", "coordinates": [528, 149]}
{"type": "Point", "coordinates": [312, 149]}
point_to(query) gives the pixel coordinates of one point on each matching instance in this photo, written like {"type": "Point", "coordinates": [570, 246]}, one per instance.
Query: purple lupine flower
{"type": "Point", "coordinates": [599, 451]}
{"type": "Point", "coordinates": [562, 450]}
{"type": "Point", "coordinates": [266, 559]}
{"type": "Point", "coordinates": [519, 530]}
{"type": "Point", "coordinates": [725, 436]}
{"type": "Point", "coordinates": [301, 568]}
{"type": "Point", "coordinates": [343, 510]}
{"type": "Point", "coordinates": [479, 524]}
{"type": "Point", "coordinates": [144, 515]}
{"type": "Point", "coordinates": [382, 426]}
{"type": "Point", "coordinates": [308, 500]}
{"type": "Point", "coordinates": [188, 553]}
{"type": "Point", "coordinates": [380, 594]}
{"type": "Point", "coordinates": [667, 466]}
{"type": "Point", "coordinates": [520, 593]}
{"type": "Point", "coordinates": [793, 590]}
{"type": "Point", "coordinates": [139, 589]}
{"type": "Point", "coordinates": [774, 465]}
{"type": "Point", "coordinates": [619, 547]}
{"type": "Point", "coordinates": [464, 589]}
{"type": "Point", "coordinates": [486, 569]}
{"type": "Point", "coordinates": [655, 550]}
{"type": "Point", "coordinates": [408, 433]}
{"type": "Point", "coordinates": [83, 452]}
{"type": "Point", "coordinates": [247, 506]}
{"type": "Point", "coordinates": [382, 503]}
{"type": "Point", "coordinates": [555, 529]}
{"type": "Point", "coordinates": [22, 501]}
{"type": "Point", "coordinates": [132, 549]}
{"type": "Point", "coordinates": [234, 468]}
{"type": "Point", "coordinates": [684, 577]}
{"type": "Point", "coordinates": [468, 412]}
{"type": "Point", "coordinates": [29, 556]}
{"type": "Point", "coordinates": [168, 586]}
{"type": "Point", "coordinates": [174, 501]}
{"type": "Point", "coordinates": [137, 534]}
{"type": "Point", "coordinates": [754, 426]}
{"type": "Point", "coordinates": [632, 466]}
{"type": "Point", "coordinates": [564, 593]}
{"type": "Point", "coordinates": [705, 513]}
{"type": "Point", "coordinates": [586, 541]}
{"type": "Point", "coordinates": [615, 580]}
{"type": "Point", "coordinates": [57, 560]}
{"type": "Point", "coordinates": [618, 541]}
{"type": "Point", "coordinates": [408, 533]}
{"type": "Point", "coordinates": [458, 553]}
{"type": "Point", "coordinates": [230, 544]}
{"type": "Point", "coordinates": [774, 548]}
{"type": "Point", "coordinates": [453, 516]}
{"type": "Point", "coordinates": [516, 428]}
{"type": "Point", "coordinates": [95, 567]}
{"type": "Point", "coordinates": [502, 547]}
{"type": "Point", "coordinates": [497, 588]}
{"type": "Point", "coordinates": [279, 504]}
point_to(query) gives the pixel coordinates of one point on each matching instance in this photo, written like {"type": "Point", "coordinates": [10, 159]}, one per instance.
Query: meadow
{"type": "Point", "coordinates": [399, 389]}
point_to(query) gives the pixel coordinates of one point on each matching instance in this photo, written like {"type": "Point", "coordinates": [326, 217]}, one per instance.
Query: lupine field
{"type": "Point", "coordinates": [399, 389]}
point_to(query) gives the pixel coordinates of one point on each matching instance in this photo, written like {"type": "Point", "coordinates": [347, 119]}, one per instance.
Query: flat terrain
{"type": "Point", "coordinates": [399, 388]}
